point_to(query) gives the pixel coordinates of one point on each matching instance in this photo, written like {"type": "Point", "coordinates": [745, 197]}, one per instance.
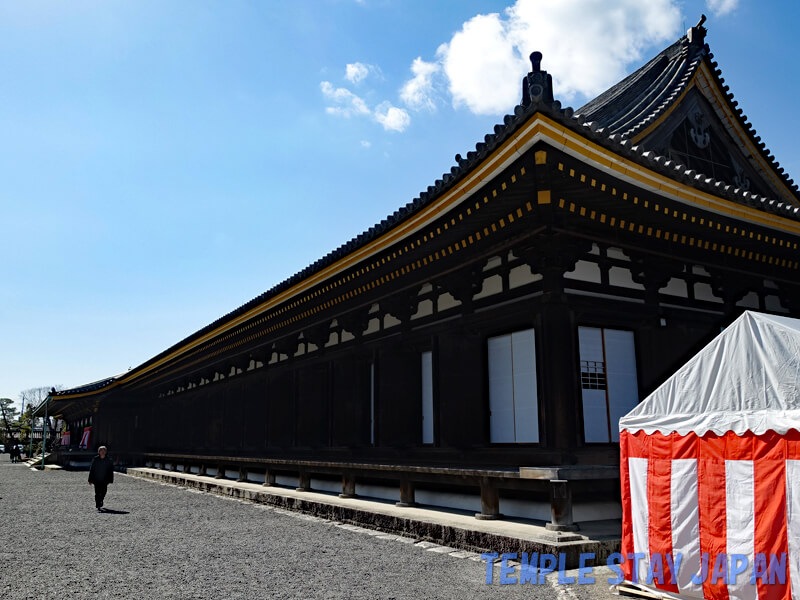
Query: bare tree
{"type": "Point", "coordinates": [34, 397]}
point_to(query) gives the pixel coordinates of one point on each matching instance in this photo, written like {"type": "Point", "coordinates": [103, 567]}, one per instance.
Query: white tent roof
{"type": "Point", "coordinates": [746, 379]}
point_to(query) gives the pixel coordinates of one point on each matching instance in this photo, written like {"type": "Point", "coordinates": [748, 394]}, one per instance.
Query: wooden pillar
{"type": "Point", "coordinates": [559, 368]}
{"type": "Point", "coordinates": [304, 482]}
{"type": "Point", "coordinates": [557, 351]}
{"type": "Point", "coordinates": [560, 506]}
{"type": "Point", "coordinates": [348, 486]}
{"type": "Point", "coordinates": [490, 501]}
{"type": "Point", "coordinates": [242, 474]}
{"type": "Point", "coordinates": [202, 470]}
{"type": "Point", "coordinates": [269, 478]}
{"type": "Point", "coordinates": [406, 493]}
{"type": "Point", "coordinates": [220, 472]}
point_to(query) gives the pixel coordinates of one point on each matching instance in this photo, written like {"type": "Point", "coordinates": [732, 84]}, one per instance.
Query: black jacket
{"type": "Point", "coordinates": [102, 470]}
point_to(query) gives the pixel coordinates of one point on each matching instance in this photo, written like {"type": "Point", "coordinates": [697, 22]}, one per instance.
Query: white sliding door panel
{"type": "Point", "coordinates": [513, 395]}
{"type": "Point", "coordinates": [591, 343]}
{"type": "Point", "coordinates": [623, 388]}
{"type": "Point", "coordinates": [526, 405]}
{"type": "Point", "coordinates": [595, 416]}
{"type": "Point", "coordinates": [501, 391]}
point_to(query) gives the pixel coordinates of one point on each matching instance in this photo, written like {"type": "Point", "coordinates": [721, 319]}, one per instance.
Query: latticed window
{"type": "Point", "coordinates": [609, 386]}
{"type": "Point", "coordinates": [593, 375]}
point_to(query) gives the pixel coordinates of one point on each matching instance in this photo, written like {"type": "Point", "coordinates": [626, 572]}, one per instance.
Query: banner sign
{"type": "Point", "coordinates": [87, 433]}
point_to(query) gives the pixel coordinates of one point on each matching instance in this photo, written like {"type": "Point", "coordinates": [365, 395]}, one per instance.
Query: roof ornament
{"type": "Point", "coordinates": [537, 86]}
{"type": "Point", "coordinates": [697, 34]}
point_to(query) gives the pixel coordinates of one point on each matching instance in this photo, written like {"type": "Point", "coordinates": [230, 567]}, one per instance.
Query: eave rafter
{"type": "Point", "coordinates": [590, 199]}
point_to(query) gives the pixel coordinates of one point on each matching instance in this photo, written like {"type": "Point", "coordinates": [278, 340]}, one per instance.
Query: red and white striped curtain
{"type": "Point", "coordinates": [712, 495]}
{"type": "Point", "coordinates": [85, 438]}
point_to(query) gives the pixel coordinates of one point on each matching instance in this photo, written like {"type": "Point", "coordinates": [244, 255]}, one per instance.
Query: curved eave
{"type": "Point", "coordinates": [538, 123]}
{"type": "Point", "coordinates": [511, 141]}
{"type": "Point", "coordinates": [78, 395]}
{"type": "Point", "coordinates": [639, 173]}
{"type": "Point", "coordinates": [89, 389]}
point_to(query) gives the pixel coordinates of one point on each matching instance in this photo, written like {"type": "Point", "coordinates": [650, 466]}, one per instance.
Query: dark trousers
{"type": "Point", "coordinates": [100, 490]}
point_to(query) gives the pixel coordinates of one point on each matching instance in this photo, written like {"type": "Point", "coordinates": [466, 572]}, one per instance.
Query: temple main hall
{"type": "Point", "coordinates": [476, 348]}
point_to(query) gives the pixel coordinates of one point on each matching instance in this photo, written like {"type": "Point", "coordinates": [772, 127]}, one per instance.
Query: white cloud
{"type": "Point", "coordinates": [417, 92]}
{"type": "Point", "coordinates": [586, 47]}
{"type": "Point", "coordinates": [355, 72]}
{"type": "Point", "coordinates": [346, 102]}
{"type": "Point", "coordinates": [366, 143]}
{"type": "Point", "coordinates": [391, 117]}
{"type": "Point", "coordinates": [721, 8]}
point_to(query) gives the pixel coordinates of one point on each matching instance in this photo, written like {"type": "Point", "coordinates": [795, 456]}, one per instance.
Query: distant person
{"type": "Point", "coordinates": [101, 473]}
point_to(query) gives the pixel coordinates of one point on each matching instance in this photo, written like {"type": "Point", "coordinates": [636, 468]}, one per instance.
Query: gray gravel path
{"type": "Point", "coordinates": [170, 542]}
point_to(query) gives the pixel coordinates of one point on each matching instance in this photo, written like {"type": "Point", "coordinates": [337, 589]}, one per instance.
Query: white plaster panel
{"type": "Point", "coordinates": [491, 286]}
{"type": "Point", "coordinates": [585, 271]}
{"type": "Point", "coordinates": [623, 278]}
{"type": "Point", "coordinates": [522, 275]}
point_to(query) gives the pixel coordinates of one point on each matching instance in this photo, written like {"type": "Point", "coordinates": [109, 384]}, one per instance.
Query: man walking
{"type": "Point", "coordinates": [101, 473]}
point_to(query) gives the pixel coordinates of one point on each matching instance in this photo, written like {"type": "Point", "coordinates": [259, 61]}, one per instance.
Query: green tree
{"type": "Point", "coordinates": [9, 426]}
{"type": "Point", "coordinates": [26, 424]}
{"type": "Point", "coordinates": [10, 411]}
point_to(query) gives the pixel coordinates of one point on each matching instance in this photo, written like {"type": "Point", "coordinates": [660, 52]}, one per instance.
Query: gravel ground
{"type": "Point", "coordinates": [161, 541]}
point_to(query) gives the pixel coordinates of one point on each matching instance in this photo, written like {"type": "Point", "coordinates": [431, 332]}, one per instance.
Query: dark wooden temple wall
{"type": "Point", "coordinates": [317, 404]}
{"type": "Point", "coordinates": [350, 398]}
{"type": "Point", "coordinates": [281, 410]}
{"type": "Point", "coordinates": [662, 350]}
{"type": "Point", "coordinates": [320, 402]}
{"type": "Point", "coordinates": [312, 405]}
{"type": "Point", "coordinates": [462, 409]}
{"type": "Point", "coordinates": [398, 404]}
{"type": "Point", "coordinates": [256, 410]}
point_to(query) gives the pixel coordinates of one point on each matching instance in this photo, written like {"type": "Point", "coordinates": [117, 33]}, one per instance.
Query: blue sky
{"type": "Point", "coordinates": [161, 163]}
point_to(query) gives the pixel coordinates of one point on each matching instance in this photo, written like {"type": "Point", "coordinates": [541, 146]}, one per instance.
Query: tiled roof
{"type": "Point", "coordinates": [607, 121]}
{"type": "Point", "coordinates": [89, 387]}
{"type": "Point", "coordinates": [632, 104]}
{"type": "Point", "coordinates": [636, 102]}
